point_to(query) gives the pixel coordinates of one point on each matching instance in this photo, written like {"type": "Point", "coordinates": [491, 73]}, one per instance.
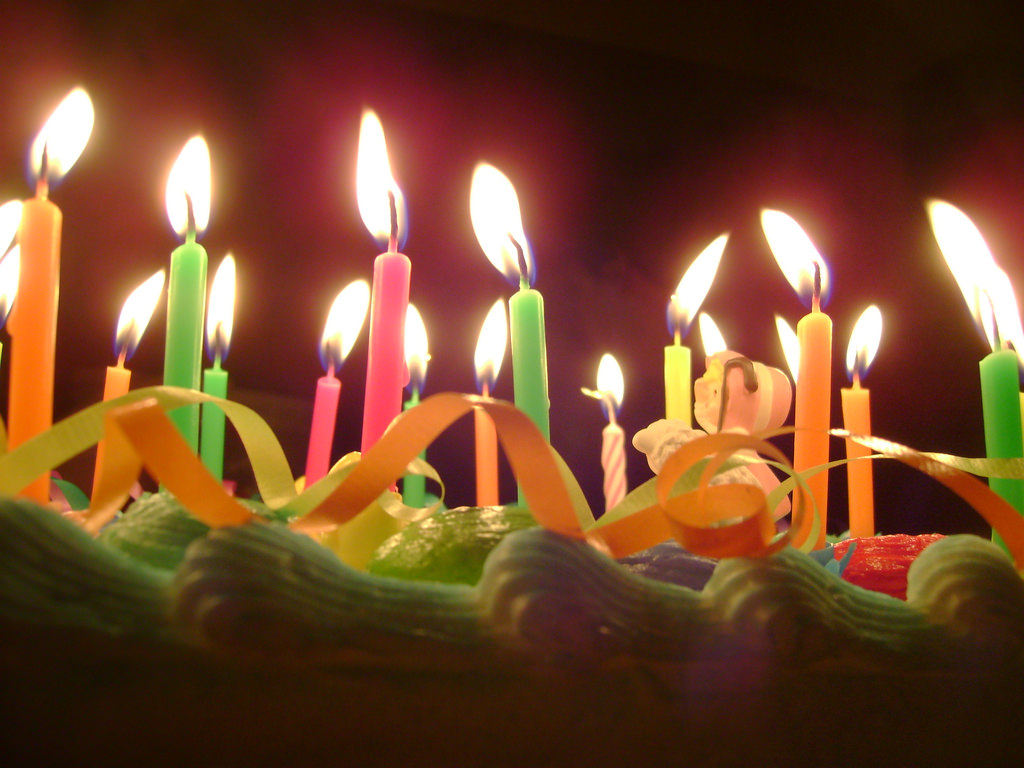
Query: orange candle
{"type": "Point", "coordinates": [857, 421]}
{"type": "Point", "coordinates": [33, 323]}
{"type": "Point", "coordinates": [131, 324]}
{"type": "Point", "coordinates": [807, 273]}
{"type": "Point", "coordinates": [490, 351]}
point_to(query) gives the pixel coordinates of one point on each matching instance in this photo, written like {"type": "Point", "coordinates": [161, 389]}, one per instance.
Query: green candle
{"type": "Point", "coordinates": [186, 293]}
{"type": "Point", "coordinates": [414, 487]}
{"type": "Point", "coordinates": [529, 356]}
{"type": "Point", "coordinates": [188, 209]}
{"type": "Point", "coordinates": [211, 446]}
{"type": "Point", "coordinates": [1000, 403]}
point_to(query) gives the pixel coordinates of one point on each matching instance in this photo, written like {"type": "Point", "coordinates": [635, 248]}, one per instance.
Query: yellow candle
{"type": "Point", "coordinates": [682, 308]}
{"type": "Point", "coordinates": [807, 273]}
{"type": "Point", "coordinates": [856, 402]}
{"type": "Point", "coordinates": [33, 323]}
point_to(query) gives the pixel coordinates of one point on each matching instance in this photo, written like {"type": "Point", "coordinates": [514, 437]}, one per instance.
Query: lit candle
{"type": "Point", "coordinates": [131, 324]}
{"type": "Point", "coordinates": [487, 358]}
{"type": "Point", "coordinates": [806, 271]}
{"type": "Point", "coordinates": [682, 308]}
{"type": "Point", "coordinates": [414, 492]}
{"type": "Point", "coordinates": [610, 386]}
{"type": "Point", "coordinates": [33, 323]}
{"type": "Point", "coordinates": [10, 261]}
{"type": "Point", "coordinates": [864, 341]}
{"type": "Point", "coordinates": [710, 336]}
{"type": "Point", "coordinates": [989, 296]}
{"type": "Point", "coordinates": [498, 223]}
{"type": "Point", "coordinates": [219, 323]}
{"type": "Point", "coordinates": [344, 322]}
{"type": "Point", "coordinates": [188, 210]}
{"type": "Point", "coordinates": [382, 208]}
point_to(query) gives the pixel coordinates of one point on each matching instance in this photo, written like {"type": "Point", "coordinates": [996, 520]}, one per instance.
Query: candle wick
{"type": "Point", "coordinates": [524, 269]}
{"type": "Point", "coordinates": [485, 389]}
{"type": "Point", "coordinates": [190, 219]}
{"type": "Point", "coordinates": [749, 382]}
{"type": "Point", "coordinates": [611, 411]}
{"type": "Point", "coordinates": [393, 237]}
{"type": "Point", "coordinates": [122, 356]}
{"type": "Point", "coordinates": [816, 296]}
{"type": "Point", "coordinates": [678, 337]}
{"type": "Point", "coordinates": [43, 181]}
{"type": "Point", "coordinates": [856, 375]}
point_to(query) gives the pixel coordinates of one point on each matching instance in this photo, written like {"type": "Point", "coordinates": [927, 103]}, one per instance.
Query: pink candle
{"type": "Point", "coordinates": [610, 387]}
{"type": "Point", "coordinates": [382, 208]}
{"type": "Point", "coordinates": [344, 321]}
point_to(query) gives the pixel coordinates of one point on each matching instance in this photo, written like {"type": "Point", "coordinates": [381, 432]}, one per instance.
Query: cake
{"type": "Point", "coordinates": [164, 640]}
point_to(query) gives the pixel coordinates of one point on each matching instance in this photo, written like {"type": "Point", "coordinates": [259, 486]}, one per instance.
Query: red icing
{"type": "Point", "coordinates": [880, 563]}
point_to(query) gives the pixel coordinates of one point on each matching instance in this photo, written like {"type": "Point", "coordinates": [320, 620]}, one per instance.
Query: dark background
{"type": "Point", "coordinates": [633, 136]}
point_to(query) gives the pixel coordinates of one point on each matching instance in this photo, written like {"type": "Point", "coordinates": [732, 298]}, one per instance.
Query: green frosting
{"type": "Point", "coordinates": [450, 546]}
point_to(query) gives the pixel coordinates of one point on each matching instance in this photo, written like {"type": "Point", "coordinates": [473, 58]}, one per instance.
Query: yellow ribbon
{"type": "Point", "coordinates": [719, 521]}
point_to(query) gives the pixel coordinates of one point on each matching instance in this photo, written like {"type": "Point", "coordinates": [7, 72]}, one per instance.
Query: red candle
{"type": "Point", "coordinates": [382, 208]}
{"type": "Point", "coordinates": [33, 323]}
{"type": "Point", "coordinates": [344, 322]}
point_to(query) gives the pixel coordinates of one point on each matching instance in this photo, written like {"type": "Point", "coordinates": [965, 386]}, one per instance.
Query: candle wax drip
{"type": "Point", "coordinates": [393, 237]}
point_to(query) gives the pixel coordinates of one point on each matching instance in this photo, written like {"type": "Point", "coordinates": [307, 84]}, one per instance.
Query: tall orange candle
{"type": "Point", "coordinates": [856, 402]}
{"type": "Point", "coordinates": [490, 351]}
{"type": "Point", "coordinates": [806, 271]}
{"type": "Point", "coordinates": [131, 324]}
{"type": "Point", "coordinates": [33, 323]}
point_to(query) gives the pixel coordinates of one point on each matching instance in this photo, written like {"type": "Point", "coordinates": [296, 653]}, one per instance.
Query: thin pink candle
{"type": "Point", "coordinates": [382, 208]}
{"type": "Point", "coordinates": [610, 387]}
{"type": "Point", "coordinates": [344, 321]}
{"type": "Point", "coordinates": [490, 351]}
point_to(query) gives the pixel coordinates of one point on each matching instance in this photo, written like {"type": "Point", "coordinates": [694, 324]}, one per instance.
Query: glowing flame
{"type": "Point", "coordinates": [344, 322]}
{"type": "Point", "coordinates": [864, 341]}
{"type": "Point", "coordinates": [498, 224]}
{"type": "Point", "coordinates": [490, 346]}
{"type": "Point", "coordinates": [189, 180]}
{"type": "Point", "coordinates": [376, 187]}
{"type": "Point", "coordinates": [790, 345]}
{"type": "Point", "coordinates": [693, 287]}
{"type": "Point", "coordinates": [985, 287]}
{"type": "Point", "coordinates": [135, 315]}
{"type": "Point", "coordinates": [10, 220]}
{"type": "Point", "coordinates": [796, 256]}
{"type": "Point", "coordinates": [10, 269]}
{"type": "Point", "coordinates": [220, 313]}
{"type": "Point", "coordinates": [64, 136]}
{"type": "Point", "coordinates": [416, 352]}
{"type": "Point", "coordinates": [610, 385]}
{"type": "Point", "coordinates": [710, 336]}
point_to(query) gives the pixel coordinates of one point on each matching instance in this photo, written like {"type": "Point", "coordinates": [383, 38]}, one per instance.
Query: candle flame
{"type": "Point", "coordinates": [790, 345]}
{"type": "Point", "coordinates": [986, 288]}
{"type": "Point", "coordinates": [610, 385]}
{"type": "Point", "coordinates": [376, 189]}
{"type": "Point", "coordinates": [796, 255]}
{"type": "Point", "coordinates": [10, 220]}
{"type": "Point", "coordinates": [864, 342]}
{"type": "Point", "coordinates": [220, 313]}
{"type": "Point", "coordinates": [63, 137]}
{"type": "Point", "coordinates": [10, 270]}
{"type": "Point", "coordinates": [344, 322]}
{"type": "Point", "coordinates": [710, 336]}
{"type": "Point", "coordinates": [135, 315]}
{"type": "Point", "coordinates": [498, 224]}
{"type": "Point", "coordinates": [189, 181]}
{"type": "Point", "coordinates": [490, 346]}
{"type": "Point", "coordinates": [694, 286]}
{"type": "Point", "coordinates": [416, 352]}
